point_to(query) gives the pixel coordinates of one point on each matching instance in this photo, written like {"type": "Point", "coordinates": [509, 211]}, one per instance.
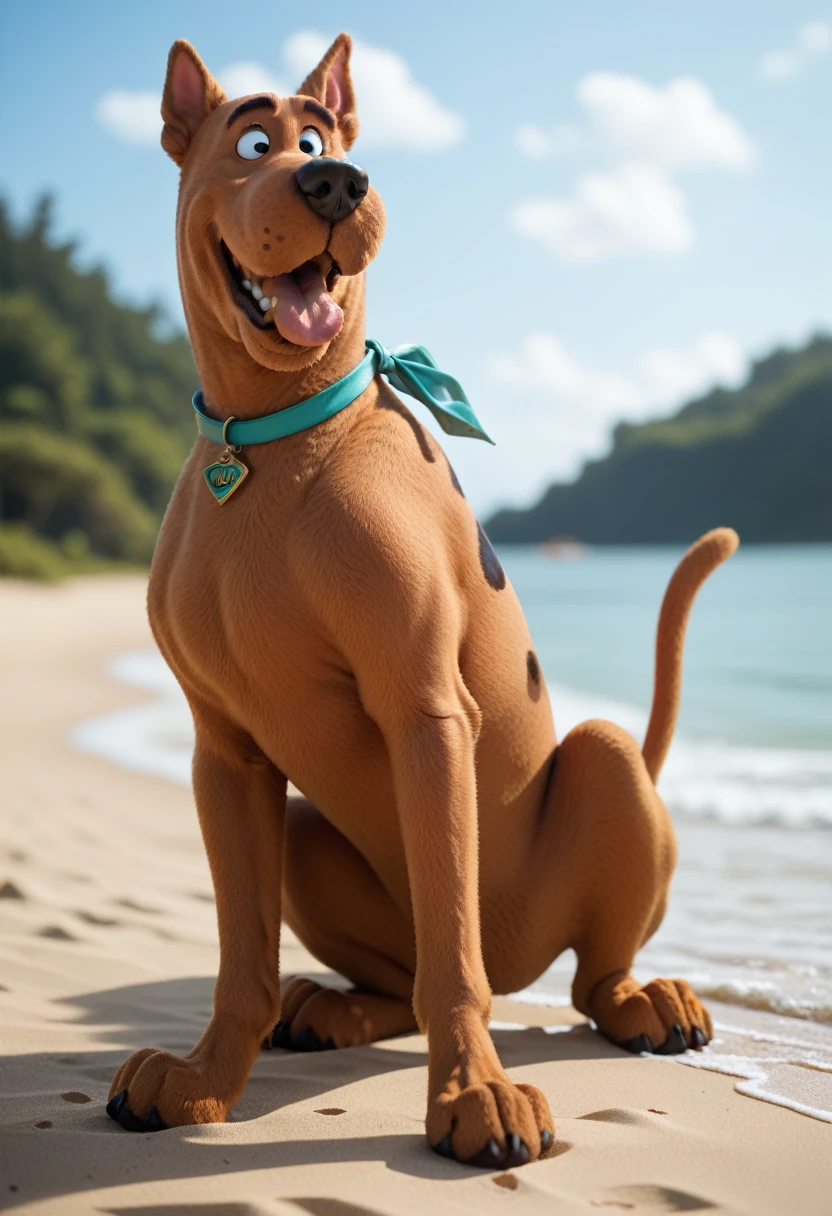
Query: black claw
{"type": "Point", "coordinates": [517, 1153]}
{"type": "Point", "coordinates": [488, 1158]}
{"type": "Point", "coordinates": [698, 1038]}
{"type": "Point", "coordinates": [674, 1044]}
{"type": "Point", "coordinates": [281, 1036]}
{"type": "Point", "coordinates": [307, 1040]}
{"type": "Point", "coordinates": [443, 1148]}
{"type": "Point", "coordinates": [130, 1122]}
{"type": "Point", "coordinates": [123, 1115]}
{"type": "Point", "coordinates": [642, 1042]}
{"type": "Point", "coordinates": [153, 1122]}
{"type": "Point", "coordinates": [546, 1140]}
{"type": "Point", "coordinates": [115, 1104]}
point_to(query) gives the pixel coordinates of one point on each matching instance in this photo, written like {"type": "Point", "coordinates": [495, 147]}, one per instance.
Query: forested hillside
{"type": "Point", "coordinates": [95, 419]}
{"type": "Point", "coordinates": [758, 458]}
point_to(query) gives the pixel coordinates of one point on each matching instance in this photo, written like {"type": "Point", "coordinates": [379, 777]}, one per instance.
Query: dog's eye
{"type": "Point", "coordinates": [253, 144]}
{"type": "Point", "coordinates": [310, 142]}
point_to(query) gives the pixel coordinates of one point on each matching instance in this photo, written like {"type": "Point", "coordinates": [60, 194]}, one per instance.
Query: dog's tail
{"type": "Point", "coordinates": [701, 558]}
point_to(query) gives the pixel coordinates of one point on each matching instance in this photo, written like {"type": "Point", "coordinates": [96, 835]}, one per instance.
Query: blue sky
{"type": "Point", "coordinates": [593, 210]}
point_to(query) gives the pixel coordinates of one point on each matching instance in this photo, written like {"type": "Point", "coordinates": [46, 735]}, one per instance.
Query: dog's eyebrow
{"type": "Point", "coordinates": [314, 108]}
{"type": "Point", "coordinates": [253, 103]}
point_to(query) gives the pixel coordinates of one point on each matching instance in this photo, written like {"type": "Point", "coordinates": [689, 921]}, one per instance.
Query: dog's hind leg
{"type": "Point", "coordinates": [339, 909]}
{"type": "Point", "coordinates": [610, 841]}
{"type": "Point", "coordinates": [315, 1018]}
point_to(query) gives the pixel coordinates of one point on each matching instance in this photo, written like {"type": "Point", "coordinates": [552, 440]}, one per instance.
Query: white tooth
{"type": "Point", "coordinates": [247, 284]}
{"type": "Point", "coordinates": [274, 301]}
{"type": "Point", "coordinates": [256, 290]}
{"type": "Point", "coordinates": [265, 303]}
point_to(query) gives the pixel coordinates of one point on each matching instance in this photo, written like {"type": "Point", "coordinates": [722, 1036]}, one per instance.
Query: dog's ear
{"type": "Point", "coordinates": [190, 94]}
{"type": "Point", "coordinates": [331, 84]}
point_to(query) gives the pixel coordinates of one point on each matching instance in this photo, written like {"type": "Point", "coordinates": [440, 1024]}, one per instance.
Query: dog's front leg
{"type": "Point", "coordinates": [475, 1113]}
{"type": "Point", "coordinates": [241, 800]}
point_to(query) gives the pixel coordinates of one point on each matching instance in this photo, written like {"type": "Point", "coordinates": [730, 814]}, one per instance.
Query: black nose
{"type": "Point", "coordinates": [332, 188]}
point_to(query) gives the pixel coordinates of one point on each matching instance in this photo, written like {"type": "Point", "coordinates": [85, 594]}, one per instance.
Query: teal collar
{"type": "Point", "coordinates": [410, 369]}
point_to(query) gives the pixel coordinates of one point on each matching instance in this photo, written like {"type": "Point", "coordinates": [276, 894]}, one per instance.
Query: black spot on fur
{"type": "Point", "coordinates": [455, 479]}
{"type": "Point", "coordinates": [533, 675]}
{"type": "Point", "coordinates": [495, 576]}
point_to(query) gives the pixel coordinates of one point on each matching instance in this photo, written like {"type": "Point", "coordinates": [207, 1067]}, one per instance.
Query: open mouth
{"type": "Point", "coordinates": [298, 305]}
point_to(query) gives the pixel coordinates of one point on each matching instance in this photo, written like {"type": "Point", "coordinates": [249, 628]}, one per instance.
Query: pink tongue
{"type": "Point", "coordinates": [304, 313]}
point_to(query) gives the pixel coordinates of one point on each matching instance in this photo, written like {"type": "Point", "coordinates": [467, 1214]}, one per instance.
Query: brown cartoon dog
{"type": "Point", "coordinates": [343, 623]}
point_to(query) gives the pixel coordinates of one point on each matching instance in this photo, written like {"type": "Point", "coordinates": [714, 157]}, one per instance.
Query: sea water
{"type": "Point", "coordinates": [748, 780]}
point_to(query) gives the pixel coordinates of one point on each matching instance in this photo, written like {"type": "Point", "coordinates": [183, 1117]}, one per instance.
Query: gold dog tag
{"type": "Point", "coordinates": [224, 476]}
{"type": "Point", "coordinates": [227, 472]}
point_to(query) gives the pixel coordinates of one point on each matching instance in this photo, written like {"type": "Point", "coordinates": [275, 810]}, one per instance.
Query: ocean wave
{"type": "Point", "coordinates": [798, 1085]}
{"type": "Point", "coordinates": [737, 785]}
{"type": "Point", "coordinates": [155, 737]}
{"type": "Point", "coordinates": [768, 997]}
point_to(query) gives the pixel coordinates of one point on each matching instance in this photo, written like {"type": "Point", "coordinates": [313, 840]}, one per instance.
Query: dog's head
{"type": "Point", "coordinates": [274, 220]}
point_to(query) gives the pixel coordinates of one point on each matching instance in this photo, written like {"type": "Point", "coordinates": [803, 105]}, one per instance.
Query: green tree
{"type": "Point", "coordinates": [94, 414]}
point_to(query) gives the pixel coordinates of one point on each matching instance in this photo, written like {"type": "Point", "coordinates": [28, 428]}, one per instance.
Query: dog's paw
{"type": "Point", "coordinates": [155, 1090]}
{"type": "Point", "coordinates": [664, 1017]}
{"type": "Point", "coordinates": [494, 1125]}
{"type": "Point", "coordinates": [313, 1018]}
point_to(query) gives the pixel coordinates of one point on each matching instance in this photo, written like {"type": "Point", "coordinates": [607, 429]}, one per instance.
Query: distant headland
{"type": "Point", "coordinates": [758, 458]}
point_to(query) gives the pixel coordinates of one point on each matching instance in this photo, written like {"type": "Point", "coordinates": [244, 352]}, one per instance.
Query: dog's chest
{"type": "Point", "coordinates": [244, 645]}
{"type": "Point", "coordinates": [233, 617]}
{"type": "Point", "coordinates": [223, 605]}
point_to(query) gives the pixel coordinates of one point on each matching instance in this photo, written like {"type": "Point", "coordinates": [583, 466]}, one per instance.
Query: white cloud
{"type": "Point", "coordinates": [662, 378]}
{"type": "Point", "coordinates": [679, 126]}
{"type": "Point", "coordinates": [813, 38]}
{"type": "Point", "coordinates": [395, 111]}
{"type": "Point", "coordinates": [241, 79]}
{"type": "Point", "coordinates": [539, 144]}
{"type": "Point", "coordinates": [544, 367]}
{"type": "Point", "coordinates": [644, 135]}
{"type": "Point", "coordinates": [778, 65]}
{"type": "Point", "coordinates": [632, 209]}
{"type": "Point", "coordinates": [671, 376]}
{"type": "Point", "coordinates": [567, 407]}
{"type": "Point", "coordinates": [131, 116]}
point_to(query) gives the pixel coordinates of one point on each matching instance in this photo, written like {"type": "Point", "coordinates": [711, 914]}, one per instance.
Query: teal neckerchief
{"type": "Point", "coordinates": [410, 369]}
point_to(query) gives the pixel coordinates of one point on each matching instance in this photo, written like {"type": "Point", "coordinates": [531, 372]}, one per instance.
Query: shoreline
{"type": "Point", "coordinates": [108, 943]}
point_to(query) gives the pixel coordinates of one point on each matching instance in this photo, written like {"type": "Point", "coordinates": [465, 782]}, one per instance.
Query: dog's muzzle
{"type": "Point", "coordinates": [332, 188]}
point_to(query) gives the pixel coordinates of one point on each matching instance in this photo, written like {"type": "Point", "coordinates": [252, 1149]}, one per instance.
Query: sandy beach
{"type": "Point", "coordinates": [108, 944]}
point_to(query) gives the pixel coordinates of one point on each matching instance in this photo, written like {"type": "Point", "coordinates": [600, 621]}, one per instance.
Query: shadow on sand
{"type": "Point", "coordinates": [172, 1015]}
